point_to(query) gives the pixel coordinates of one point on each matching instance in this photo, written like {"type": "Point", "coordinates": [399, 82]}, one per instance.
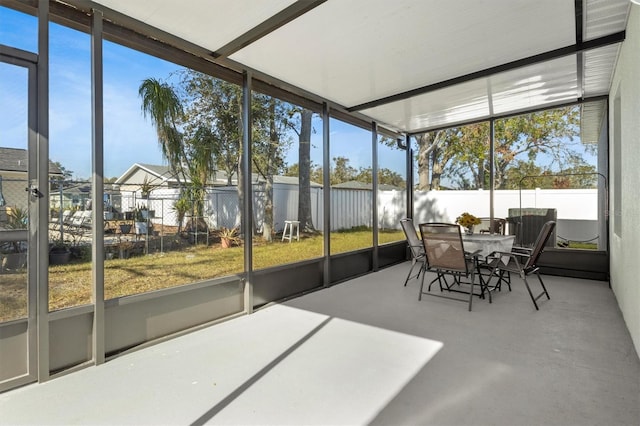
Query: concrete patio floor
{"type": "Point", "coordinates": [368, 352]}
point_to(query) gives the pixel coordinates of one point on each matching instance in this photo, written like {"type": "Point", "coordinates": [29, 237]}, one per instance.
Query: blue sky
{"type": "Point", "coordinates": [128, 136]}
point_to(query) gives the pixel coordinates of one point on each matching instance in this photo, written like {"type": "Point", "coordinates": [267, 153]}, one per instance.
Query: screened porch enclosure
{"type": "Point", "coordinates": [316, 130]}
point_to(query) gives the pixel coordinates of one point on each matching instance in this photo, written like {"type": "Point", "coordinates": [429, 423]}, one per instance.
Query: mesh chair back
{"type": "Point", "coordinates": [410, 233]}
{"type": "Point", "coordinates": [541, 241]}
{"type": "Point", "coordinates": [443, 247]}
{"type": "Point", "coordinates": [499, 226]}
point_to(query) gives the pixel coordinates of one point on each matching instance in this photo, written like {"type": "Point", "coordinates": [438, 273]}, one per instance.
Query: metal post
{"type": "Point", "coordinates": [61, 210]}
{"type": "Point", "coordinates": [409, 171]}
{"type": "Point", "coordinates": [42, 275]}
{"type": "Point", "coordinates": [97, 183]}
{"type": "Point", "coordinates": [374, 192]}
{"type": "Point", "coordinates": [326, 186]}
{"type": "Point", "coordinates": [492, 129]}
{"type": "Point", "coordinates": [248, 196]}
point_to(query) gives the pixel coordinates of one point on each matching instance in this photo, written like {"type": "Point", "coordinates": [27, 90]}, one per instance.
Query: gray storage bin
{"type": "Point", "coordinates": [526, 224]}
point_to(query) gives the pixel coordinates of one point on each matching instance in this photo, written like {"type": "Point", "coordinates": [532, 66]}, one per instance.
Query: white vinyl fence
{"type": "Point", "coordinates": [577, 209]}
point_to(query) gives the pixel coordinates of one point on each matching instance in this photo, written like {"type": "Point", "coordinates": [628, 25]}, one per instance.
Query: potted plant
{"type": "Point", "coordinates": [125, 228]}
{"type": "Point", "coordinates": [59, 252]}
{"type": "Point", "coordinates": [228, 237]}
{"type": "Point", "coordinates": [146, 188]}
{"type": "Point", "coordinates": [139, 220]}
{"type": "Point", "coordinates": [15, 255]}
{"type": "Point", "coordinates": [467, 221]}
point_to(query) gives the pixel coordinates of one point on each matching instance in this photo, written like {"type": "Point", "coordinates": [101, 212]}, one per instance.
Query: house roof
{"type": "Point", "coordinates": [163, 175]}
{"type": "Point", "coordinates": [354, 184]}
{"type": "Point", "coordinates": [16, 159]}
{"type": "Point", "coordinates": [408, 65]}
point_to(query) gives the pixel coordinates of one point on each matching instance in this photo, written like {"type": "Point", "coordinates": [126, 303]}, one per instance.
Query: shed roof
{"type": "Point", "coordinates": [16, 160]}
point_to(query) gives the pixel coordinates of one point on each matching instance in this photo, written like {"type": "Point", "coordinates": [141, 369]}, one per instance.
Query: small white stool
{"type": "Point", "coordinates": [290, 224]}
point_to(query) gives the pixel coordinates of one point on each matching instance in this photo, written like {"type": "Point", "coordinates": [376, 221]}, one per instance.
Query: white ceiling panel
{"type": "Point", "coordinates": [352, 52]}
{"type": "Point", "coordinates": [602, 17]}
{"type": "Point", "coordinates": [591, 121]}
{"type": "Point", "coordinates": [549, 83]}
{"type": "Point", "coordinates": [455, 104]}
{"type": "Point", "coordinates": [598, 70]}
{"type": "Point", "coordinates": [210, 24]}
{"type": "Point", "coordinates": [356, 51]}
{"type": "Point", "coordinates": [546, 83]}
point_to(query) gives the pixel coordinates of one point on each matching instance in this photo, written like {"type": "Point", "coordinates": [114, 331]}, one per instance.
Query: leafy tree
{"type": "Point", "coordinates": [518, 175]}
{"type": "Point", "coordinates": [461, 154]}
{"type": "Point", "coordinates": [191, 152]}
{"type": "Point", "coordinates": [315, 172]}
{"type": "Point", "coordinates": [546, 132]}
{"type": "Point", "coordinates": [435, 151]}
{"type": "Point", "coordinates": [305, 169]}
{"type": "Point", "coordinates": [270, 141]}
{"type": "Point", "coordinates": [215, 105]}
{"type": "Point", "coordinates": [342, 171]}
{"type": "Point", "coordinates": [385, 177]}
{"type": "Point", "coordinates": [161, 103]}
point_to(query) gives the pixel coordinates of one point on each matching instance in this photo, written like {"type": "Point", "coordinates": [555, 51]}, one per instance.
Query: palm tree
{"type": "Point", "coordinates": [162, 104]}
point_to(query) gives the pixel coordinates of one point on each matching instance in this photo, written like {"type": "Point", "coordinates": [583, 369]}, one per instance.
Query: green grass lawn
{"type": "Point", "coordinates": [70, 284]}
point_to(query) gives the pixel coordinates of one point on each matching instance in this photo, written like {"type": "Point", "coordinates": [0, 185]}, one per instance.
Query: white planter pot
{"type": "Point", "coordinates": [140, 227]}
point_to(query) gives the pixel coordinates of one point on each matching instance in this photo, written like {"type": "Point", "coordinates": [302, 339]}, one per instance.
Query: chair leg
{"type": "Point", "coordinates": [420, 271]}
{"type": "Point", "coordinates": [507, 280]}
{"type": "Point", "coordinates": [421, 286]}
{"type": "Point", "coordinates": [543, 287]}
{"type": "Point", "coordinates": [473, 279]}
{"type": "Point", "coordinates": [535, 298]}
{"type": "Point", "coordinates": [413, 264]}
{"type": "Point", "coordinates": [503, 277]}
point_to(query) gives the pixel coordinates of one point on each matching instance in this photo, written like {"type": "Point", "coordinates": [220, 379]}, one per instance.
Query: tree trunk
{"type": "Point", "coordinates": [481, 176]}
{"type": "Point", "coordinates": [427, 152]}
{"type": "Point", "coordinates": [267, 224]}
{"type": "Point", "coordinates": [436, 171]}
{"type": "Point", "coordinates": [304, 173]}
{"type": "Point", "coordinates": [423, 162]}
{"type": "Point", "coordinates": [241, 177]}
{"type": "Point", "coordinates": [240, 189]}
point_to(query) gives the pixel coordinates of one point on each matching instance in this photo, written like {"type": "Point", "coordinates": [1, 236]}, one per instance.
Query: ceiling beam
{"type": "Point", "coordinates": [579, 19]}
{"type": "Point", "coordinates": [266, 27]}
{"type": "Point", "coordinates": [531, 60]}
{"type": "Point", "coordinates": [510, 114]}
{"type": "Point", "coordinates": [579, 4]}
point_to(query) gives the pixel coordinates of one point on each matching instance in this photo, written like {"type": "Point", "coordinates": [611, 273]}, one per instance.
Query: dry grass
{"type": "Point", "coordinates": [70, 285]}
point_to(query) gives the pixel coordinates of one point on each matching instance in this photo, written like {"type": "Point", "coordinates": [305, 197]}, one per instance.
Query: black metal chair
{"type": "Point", "coordinates": [444, 251]}
{"type": "Point", "coordinates": [415, 246]}
{"type": "Point", "coordinates": [523, 261]}
{"type": "Point", "coordinates": [499, 226]}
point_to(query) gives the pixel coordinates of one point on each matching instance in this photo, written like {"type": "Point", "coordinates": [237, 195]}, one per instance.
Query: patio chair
{"type": "Point", "coordinates": [79, 223]}
{"type": "Point", "coordinates": [417, 253]}
{"type": "Point", "coordinates": [415, 246]}
{"type": "Point", "coordinates": [499, 226]}
{"type": "Point", "coordinates": [523, 261]}
{"type": "Point", "coordinates": [445, 255]}
{"type": "Point", "coordinates": [55, 223]}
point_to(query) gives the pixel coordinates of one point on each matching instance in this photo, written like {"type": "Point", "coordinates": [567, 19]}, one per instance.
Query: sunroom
{"type": "Point", "coordinates": [333, 118]}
